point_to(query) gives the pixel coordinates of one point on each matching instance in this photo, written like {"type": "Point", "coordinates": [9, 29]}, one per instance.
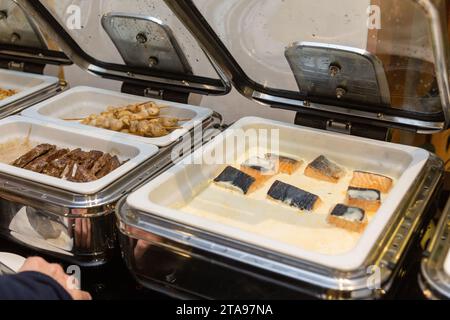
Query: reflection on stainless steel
{"type": "Point", "coordinates": [146, 42]}
{"type": "Point", "coordinates": [16, 27]}
{"type": "Point", "coordinates": [422, 126]}
{"type": "Point", "coordinates": [434, 279]}
{"type": "Point", "coordinates": [87, 239]}
{"type": "Point", "coordinates": [33, 97]}
{"type": "Point", "coordinates": [361, 76]}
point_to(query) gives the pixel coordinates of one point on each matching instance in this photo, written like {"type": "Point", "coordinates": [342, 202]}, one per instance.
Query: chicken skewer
{"type": "Point", "coordinates": [139, 119]}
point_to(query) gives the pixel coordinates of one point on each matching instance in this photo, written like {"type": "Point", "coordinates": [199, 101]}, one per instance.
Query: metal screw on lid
{"type": "Point", "coordinates": [153, 61]}
{"type": "Point", "coordinates": [15, 37]}
{"type": "Point", "coordinates": [340, 92]}
{"type": "Point", "coordinates": [141, 37]}
{"type": "Point", "coordinates": [334, 69]}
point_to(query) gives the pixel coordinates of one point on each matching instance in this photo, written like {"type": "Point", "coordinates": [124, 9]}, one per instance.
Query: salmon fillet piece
{"type": "Point", "coordinates": [370, 180]}
{"type": "Point", "coordinates": [349, 218]}
{"type": "Point", "coordinates": [323, 169]}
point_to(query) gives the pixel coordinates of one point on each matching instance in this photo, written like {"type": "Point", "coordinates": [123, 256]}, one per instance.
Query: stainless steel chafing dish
{"type": "Point", "coordinates": [347, 78]}
{"type": "Point", "coordinates": [194, 252]}
{"type": "Point", "coordinates": [335, 82]}
{"type": "Point", "coordinates": [31, 211]}
{"type": "Point", "coordinates": [434, 279]}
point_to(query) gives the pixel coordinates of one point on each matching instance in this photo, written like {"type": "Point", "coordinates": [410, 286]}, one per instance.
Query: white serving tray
{"type": "Point", "coordinates": [184, 181]}
{"type": "Point", "coordinates": [80, 102]}
{"type": "Point", "coordinates": [25, 83]}
{"type": "Point", "coordinates": [18, 127]}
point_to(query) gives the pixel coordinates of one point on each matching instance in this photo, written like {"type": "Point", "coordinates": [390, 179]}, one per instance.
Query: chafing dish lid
{"type": "Point", "coordinates": [386, 61]}
{"type": "Point", "coordinates": [383, 60]}
{"type": "Point", "coordinates": [140, 42]}
{"type": "Point", "coordinates": [21, 40]}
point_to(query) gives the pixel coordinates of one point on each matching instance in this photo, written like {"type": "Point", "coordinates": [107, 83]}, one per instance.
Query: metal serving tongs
{"type": "Point", "coordinates": [5, 270]}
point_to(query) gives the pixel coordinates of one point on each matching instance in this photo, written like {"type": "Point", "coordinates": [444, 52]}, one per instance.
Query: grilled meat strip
{"type": "Point", "coordinates": [82, 174]}
{"type": "Point", "coordinates": [57, 167]}
{"type": "Point", "coordinates": [111, 164]}
{"type": "Point", "coordinates": [39, 164]}
{"type": "Point", "coordinates": [33, 154]}
{"type": "Point", "coordinates": [76, 165]}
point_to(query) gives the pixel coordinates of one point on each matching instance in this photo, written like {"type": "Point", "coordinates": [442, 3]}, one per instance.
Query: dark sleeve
{"type": "Point", "coordinates": [31, 286]}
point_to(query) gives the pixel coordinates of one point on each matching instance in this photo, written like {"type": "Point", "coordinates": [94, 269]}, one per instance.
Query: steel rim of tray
{"type": "Point", "coordinates": [433, 279]}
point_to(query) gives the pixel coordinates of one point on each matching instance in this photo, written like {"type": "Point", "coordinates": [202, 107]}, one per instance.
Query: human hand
{"type": "Point", "coordinates": [56, 272]}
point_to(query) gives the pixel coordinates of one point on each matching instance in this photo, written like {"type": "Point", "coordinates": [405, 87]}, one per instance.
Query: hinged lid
{"type": "Point", "coordinates": [138, 42]}
{"type": "Point", "coordinates": [381, 60]}
{"type": "Point", "coordinates": [21, 40]}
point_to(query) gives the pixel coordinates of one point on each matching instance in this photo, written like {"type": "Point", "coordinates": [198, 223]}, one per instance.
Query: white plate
{"type": "Point", "coordinates": [80, 102]}
{"type": "Point", "coordinates": [183, 182]}
{"type": "Point", "coordinates": [12, 261]}
{"type": "Point", "coordinates": [40, 132]}
{"type": "Point", "coordinates": [25, 83]}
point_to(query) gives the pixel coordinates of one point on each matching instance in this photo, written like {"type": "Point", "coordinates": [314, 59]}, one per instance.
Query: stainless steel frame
{"type": "Point", "coordinates": [21, 104]}
{"type": "Point", "coordinates": [192, 256]}
{"type": "Point", "coordinates": [433, 280]}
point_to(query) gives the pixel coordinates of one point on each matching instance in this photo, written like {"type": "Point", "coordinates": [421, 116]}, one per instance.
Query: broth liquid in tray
{"type": "Point", "coordinates": [257, 214]}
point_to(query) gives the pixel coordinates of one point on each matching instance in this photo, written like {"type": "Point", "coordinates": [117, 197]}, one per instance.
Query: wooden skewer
{"type": "Point", "coordinates": [73, 119]}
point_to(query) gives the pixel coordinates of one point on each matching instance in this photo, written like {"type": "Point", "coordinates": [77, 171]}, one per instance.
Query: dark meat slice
{"type": "Point", "coordinates": [57, 166]}
{"type": "Point", "coordinates": [39, 164]}
{"type": "Point", "coordinates": [112, 164]}
{"type": "Point", "coordinates": [82, 175]}
{"type": "Point", "coordinates": [33, 154]}
{"type": "Point", "coordinates": [69, 170]}
{"type": "Point", "coordinates": [100, 163]}
{"type": "Point", "coordinates": [79, 155]}
{"type": "Point", "coordinates": [93, 156]}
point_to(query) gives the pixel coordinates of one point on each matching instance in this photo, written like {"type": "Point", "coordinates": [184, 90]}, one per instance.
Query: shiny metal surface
{"type": "Point", "coordinates": [83, 240]}
{"type": "Point", "coordinates": [423, 127]}
{"type": "Point", "coordinates": [145, 42]}
{"type": "Point", "coordinates": [321, 69]}
{"type": "Point", "coordinates": [433, 279]}
{"type": "Point", "coordinates": [34, 98]}
{"type": "Point", "coordinates": [16, 28]}
{"type": "Point", "coordinates": [190, 256]}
